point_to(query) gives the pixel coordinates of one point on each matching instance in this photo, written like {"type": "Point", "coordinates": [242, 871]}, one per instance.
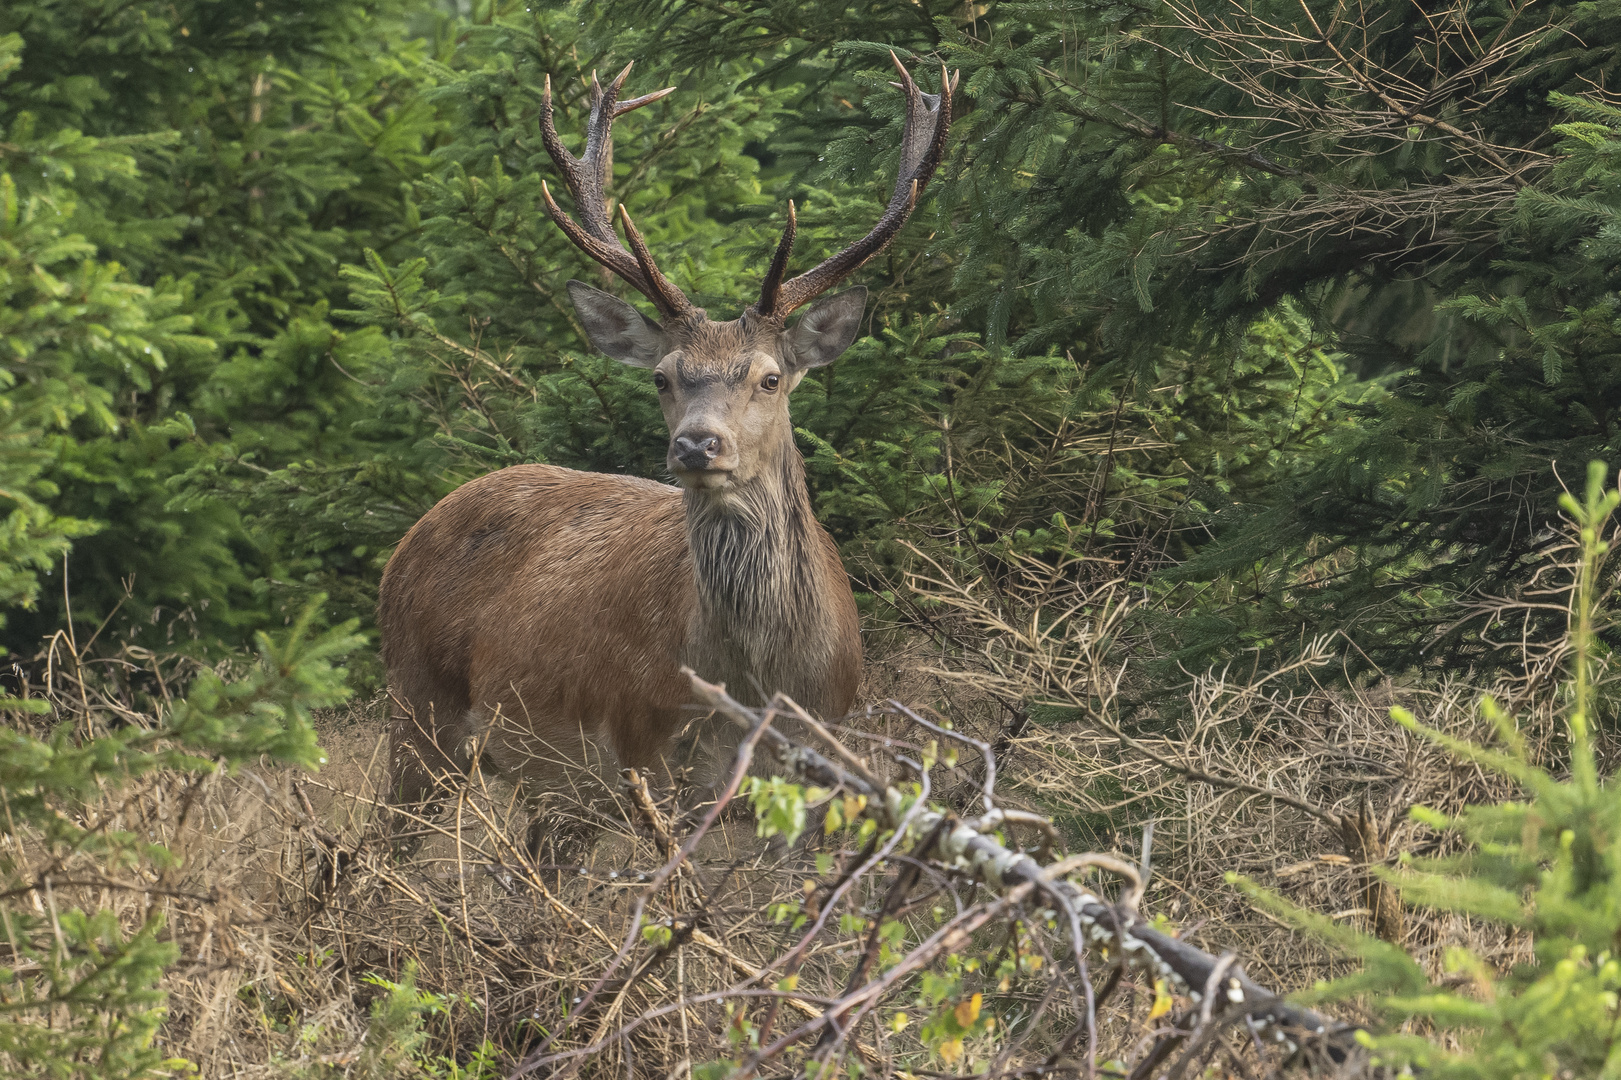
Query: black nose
{"type": "Point", "coordinates": [697, 450]}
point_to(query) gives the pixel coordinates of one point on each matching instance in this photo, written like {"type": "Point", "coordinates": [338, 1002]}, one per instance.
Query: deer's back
{"type": "Point", "coordinates": [560, 598]}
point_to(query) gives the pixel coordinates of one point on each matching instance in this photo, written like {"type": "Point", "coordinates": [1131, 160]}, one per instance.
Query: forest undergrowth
{"type": "Point", "coordinates": [1266, 819]}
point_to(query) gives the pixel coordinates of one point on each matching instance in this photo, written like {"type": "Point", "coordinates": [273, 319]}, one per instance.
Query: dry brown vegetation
{"type": "Point", "coordinates": [293, 897]}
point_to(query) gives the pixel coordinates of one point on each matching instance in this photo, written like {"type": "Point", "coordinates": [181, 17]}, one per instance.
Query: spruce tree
{"type": "Point", "coordinates": [258, 148]}
{"type": "Point", "coordinates": [1136, 184]}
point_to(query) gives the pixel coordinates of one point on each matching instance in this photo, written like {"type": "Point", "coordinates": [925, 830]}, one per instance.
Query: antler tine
{"type": "Point", "coordinates": [668, 294]}
{"type": "Point", "coordinates": [922, 148]}
{"type": "Point", "coordinates": [587, 179]}
{"type": "Point", "coordinates": [779, 263]}
{"type": "Point", "coordinates": [646, 99]}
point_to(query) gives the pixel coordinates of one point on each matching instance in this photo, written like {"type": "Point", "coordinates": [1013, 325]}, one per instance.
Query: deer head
{"type": "Point", "coordinates": [724, 386]}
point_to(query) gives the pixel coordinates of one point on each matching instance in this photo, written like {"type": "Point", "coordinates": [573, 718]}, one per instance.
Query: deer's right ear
{"type": "Point", "coordinates": [617, 329]}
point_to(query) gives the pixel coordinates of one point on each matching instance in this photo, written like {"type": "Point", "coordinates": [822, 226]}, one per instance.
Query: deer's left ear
{"type": "Point", "coordinates": [827, 329]}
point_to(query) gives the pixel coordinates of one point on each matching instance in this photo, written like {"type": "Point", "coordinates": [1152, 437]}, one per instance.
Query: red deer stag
{"type": "Point", "coordinates": [566, 603]}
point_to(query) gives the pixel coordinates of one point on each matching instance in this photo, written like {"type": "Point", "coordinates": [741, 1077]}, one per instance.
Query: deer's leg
{"type": "Point", "coordinates": [422, 754]}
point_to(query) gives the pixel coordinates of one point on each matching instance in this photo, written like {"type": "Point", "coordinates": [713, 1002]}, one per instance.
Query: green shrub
{"type": "Point", "coordinates": [79, 992]}
{"type": "Point", "coordinates": [1547, 868]}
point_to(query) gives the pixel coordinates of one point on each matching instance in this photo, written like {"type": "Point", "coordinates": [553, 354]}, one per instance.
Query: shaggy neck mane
{"type": "Point", "coordinates": [752, 549]}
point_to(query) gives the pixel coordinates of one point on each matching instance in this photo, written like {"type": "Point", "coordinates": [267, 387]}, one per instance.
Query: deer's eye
{"type": "Point", "coordinates": [660, 382]}
{"type": "Point", "coordinates": [770, 382]}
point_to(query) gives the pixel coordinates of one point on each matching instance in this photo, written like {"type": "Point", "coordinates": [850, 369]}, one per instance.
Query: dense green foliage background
{"type": "Point", "coordinates": [1301, 355]}
{"type": "Point", "coordinates": [1291, 316]}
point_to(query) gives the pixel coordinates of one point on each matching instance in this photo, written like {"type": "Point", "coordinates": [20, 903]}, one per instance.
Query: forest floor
{"type": "Point", "coordinates": [293, 910]}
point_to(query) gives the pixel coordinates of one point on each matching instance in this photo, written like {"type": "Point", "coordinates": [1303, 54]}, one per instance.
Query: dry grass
{"type": "Point", "coordinates": [290, 900]}
{"type": "Point", "coordinates": [293, 895]}
{"type": "Point", "coordinates": [507, 941]}
{"type": "Point", "coordinates": [1297, 779]}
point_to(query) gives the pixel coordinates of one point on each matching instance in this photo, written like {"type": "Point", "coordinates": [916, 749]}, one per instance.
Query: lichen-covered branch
{"type": "Point", "coordinates": [1112, 930]}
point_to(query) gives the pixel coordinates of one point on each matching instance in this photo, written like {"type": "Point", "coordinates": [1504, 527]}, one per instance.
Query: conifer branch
{"type": "Point", "coordinates": [1143, 128]}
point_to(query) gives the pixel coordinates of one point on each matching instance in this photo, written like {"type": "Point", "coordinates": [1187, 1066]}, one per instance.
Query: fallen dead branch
{"type": "Point", "coordinates": [913, 835]}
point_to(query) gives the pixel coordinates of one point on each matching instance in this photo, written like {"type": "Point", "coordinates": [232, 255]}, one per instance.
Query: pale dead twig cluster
{"type": "Point", "coordinates": [1296, 778]}
{"type": "Point", "coordinates": [1345, 83]}
{"type": "Point", "coordinates": [1346, 79]}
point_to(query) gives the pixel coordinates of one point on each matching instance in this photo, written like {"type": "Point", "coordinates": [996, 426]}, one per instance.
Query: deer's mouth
{"type": "Point", "coordinates": [703, 479]}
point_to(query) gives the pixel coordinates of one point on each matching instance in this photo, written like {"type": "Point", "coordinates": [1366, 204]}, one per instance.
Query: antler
{"type": "Point", "coordinates": [587, 177]}
{"type": "Point", "coordinates": [922, 146]}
